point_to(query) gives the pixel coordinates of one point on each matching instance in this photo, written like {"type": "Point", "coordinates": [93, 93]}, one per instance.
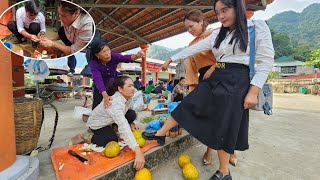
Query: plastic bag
{"type": "Point", "coordinates": [79, 111]}
{"type": "Point", "coordinates": [169, 97]}
{"type": "Point", "coordinates": [137, 101]}
{"type": "Point", "coordinates": [159, 106]}
{"type": "Point", "coordinates": [172, 105]}
{"type": "Point", "coordinates": [154, 125]}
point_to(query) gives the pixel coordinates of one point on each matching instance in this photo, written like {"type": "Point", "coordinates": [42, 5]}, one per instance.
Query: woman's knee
{"type": "Point", "coordinates": [131, 115]}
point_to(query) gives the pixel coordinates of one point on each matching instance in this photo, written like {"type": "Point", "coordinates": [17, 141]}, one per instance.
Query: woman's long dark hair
{"type": "Point", "coordinates": [240, 35]}
{"type": "Point", "coordinates": [118, 82]}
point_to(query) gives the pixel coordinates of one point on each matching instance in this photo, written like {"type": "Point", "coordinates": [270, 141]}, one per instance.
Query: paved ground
{"type": "Point", "coordinates": [282, 146]}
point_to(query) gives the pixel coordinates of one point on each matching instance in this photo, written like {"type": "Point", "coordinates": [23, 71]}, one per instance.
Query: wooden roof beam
{"type": "Point", "coordinates": [139, 6]}
{"type": "Point", "coordinates": [119, 47]}
{"type": "Point", "coordinates": [253, 7]}
{"type": "Point", "coordinates": [94, 3]}
{"type": "Point", "coordinates": [117, 34]}
{"type": "Point", "coordinates": [162, 15]}
{"type": "Point", "coordinates": [131, 17]}
{"type": "Point", "coordinates": [100, 22]}
{"type": "Point", "coordinates": [163, 28]}
{"type": "Point", "coordinates": [118, 7]}
{"type": "Point", "coordinates": [139, 38]}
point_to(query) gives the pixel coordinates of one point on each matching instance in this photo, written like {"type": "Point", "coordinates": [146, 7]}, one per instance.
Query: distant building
{"type": "Point", "coordinates": [287, 66]}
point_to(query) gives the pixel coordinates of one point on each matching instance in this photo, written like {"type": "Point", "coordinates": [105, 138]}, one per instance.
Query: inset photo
{"type": "Point", "coordinates": [42, 29]}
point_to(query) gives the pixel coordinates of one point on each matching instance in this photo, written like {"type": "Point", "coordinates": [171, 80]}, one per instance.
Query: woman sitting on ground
{"type": "Point", "coordinates": [101, 118]}
{"type": "Point", "coordinates": [180, 91]}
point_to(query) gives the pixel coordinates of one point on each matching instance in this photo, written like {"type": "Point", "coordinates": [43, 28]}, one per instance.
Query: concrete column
{"type": "Point", "coordinates": [7, 131]}
{"type": "Point", "coordinates": [144, 64]}
{"type": "Point", "coordinates": [157, 76]}
{"type": "Point", "coordinates": [169, 77]}
{"type": "Point", "coordinates": [84, 81]}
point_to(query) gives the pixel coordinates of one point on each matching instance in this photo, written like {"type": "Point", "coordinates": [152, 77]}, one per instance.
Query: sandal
{"type": "Point", "coordinates": [219, 176]}
{"type": "Point", "coordinates": [151, 135]}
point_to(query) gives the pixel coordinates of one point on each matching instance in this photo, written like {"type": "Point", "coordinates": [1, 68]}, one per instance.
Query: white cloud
{"type": "Point", "coordinates": [280, 6]}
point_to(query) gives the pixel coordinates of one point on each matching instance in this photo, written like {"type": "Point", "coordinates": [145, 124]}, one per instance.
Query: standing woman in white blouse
{"type": "Point", "coordinates": [216, 112]}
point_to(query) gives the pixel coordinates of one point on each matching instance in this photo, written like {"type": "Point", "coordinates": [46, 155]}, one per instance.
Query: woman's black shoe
{"type": "Point", "coordinates": [151, 135]}
{"type": "Point", "coordinates": [219, 176]}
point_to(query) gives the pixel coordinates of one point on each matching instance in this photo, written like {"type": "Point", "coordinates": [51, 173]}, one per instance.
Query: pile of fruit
{"type": "Point", "coordinates": [140, 140]}
{"type": "Point", "coordinates": [189, 171]}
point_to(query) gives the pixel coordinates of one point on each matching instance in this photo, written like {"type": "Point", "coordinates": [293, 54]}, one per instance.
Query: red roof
{"type": "Point", "coordinates": [305, 76]}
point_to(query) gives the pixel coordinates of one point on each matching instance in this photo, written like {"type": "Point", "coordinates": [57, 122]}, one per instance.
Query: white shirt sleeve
{"type": "Point", "coordinates": [203, 45]}
{"type": "Point", "coordinates": [42, 22]}
{"type": "Point", "coordinates": [117, 112]}
{"type": "Point", "coordinates": [83, 36]}
{"type": "Point", "coordinates": [19, 19]}
{"type": "Point", "coordinates": [264, 55]}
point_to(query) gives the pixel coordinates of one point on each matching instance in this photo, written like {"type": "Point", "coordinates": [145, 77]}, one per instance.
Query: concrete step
{"type": "Point", "coordinates": [154, 157]}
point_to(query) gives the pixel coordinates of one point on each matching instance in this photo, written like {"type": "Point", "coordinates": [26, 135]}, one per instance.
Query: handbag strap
{"type": "Point", "coordinates": [252, 50]}
{"type": "Point", "coordinates": [266, 107]}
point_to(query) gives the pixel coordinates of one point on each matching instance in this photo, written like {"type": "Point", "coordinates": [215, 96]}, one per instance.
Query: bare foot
{"type": "Point", "coordinates": [78, 139]}
{"type": "Point", "coordinates": [207, 157]}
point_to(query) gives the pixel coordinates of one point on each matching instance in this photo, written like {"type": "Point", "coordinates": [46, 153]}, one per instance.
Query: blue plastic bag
{"type": "Point", "coordinates": [154, 125]}
{"type": "Point", "coordinates": [159, 106]}
{"type": "Point", "coordinates": [172, 105]}
{"type": "Point", "coordinates": [164, 116]}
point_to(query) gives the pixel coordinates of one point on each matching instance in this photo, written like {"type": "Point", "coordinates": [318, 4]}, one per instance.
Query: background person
{"type": "Point", "coordinates": [76, 32]}
{"type": "Point", "coordinates": [180, 91]}
{"type": "Point", "coordinates": [29, 23]}
{"type": "Point", "coordinates": [101, 118]}
{"type": "Point", "coordinates": [160, 88]}
{"type": "Point", "coordinates": [103, 67]}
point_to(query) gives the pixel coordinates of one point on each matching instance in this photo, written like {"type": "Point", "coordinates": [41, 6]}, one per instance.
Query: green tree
{"type": "Point", "coordinates": [314, 60]}
{"type": "Point", "coordinates": [282, 44]}
{"type": "Point", "coordinates": [303, 27]}
{"type": "Point", "coordinates": [28, 80]}
{"type": "Point", "coordinates": [302, 51]}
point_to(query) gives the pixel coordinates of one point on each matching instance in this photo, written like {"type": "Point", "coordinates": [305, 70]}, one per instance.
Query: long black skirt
{"type": "Point", "coordinates": [213, 112]}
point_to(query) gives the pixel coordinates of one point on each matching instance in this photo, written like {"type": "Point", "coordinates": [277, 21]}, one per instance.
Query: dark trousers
{"type": "Point", "coordinates": [34, 28]}
{"type": "Point", "coordinates": [106, 134]}
{"type": "Point", "coordinates": [72, 61]}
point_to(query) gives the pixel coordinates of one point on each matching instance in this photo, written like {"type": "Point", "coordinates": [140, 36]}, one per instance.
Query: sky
{"type": "Point", "coordinates": [182, 40]}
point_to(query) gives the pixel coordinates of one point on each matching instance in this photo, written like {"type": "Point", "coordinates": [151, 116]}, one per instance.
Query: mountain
{"type": "Point", "coordinates": [161, 52]}
{"type": "Point", "coordinates": [301, 27]}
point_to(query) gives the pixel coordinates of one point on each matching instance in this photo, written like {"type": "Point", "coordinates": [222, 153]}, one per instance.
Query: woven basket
{"type": "Point", "coordinates": [28, 121]}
